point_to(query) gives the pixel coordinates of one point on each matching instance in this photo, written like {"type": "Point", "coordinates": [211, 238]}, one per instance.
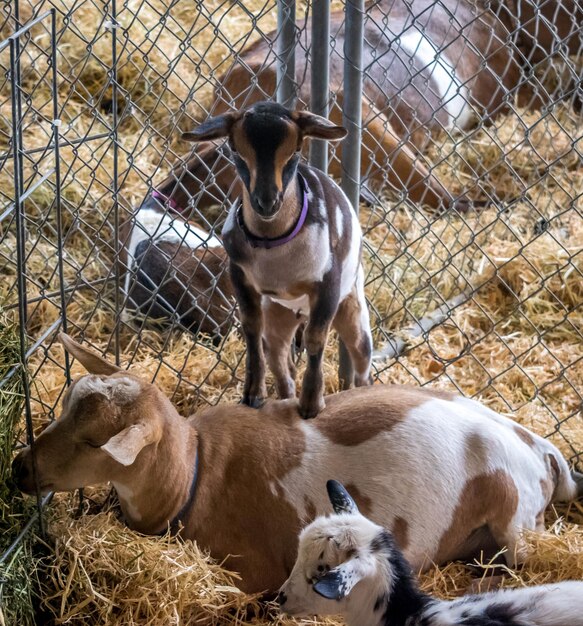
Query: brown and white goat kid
{"type": "Point", "coordinates": [294, 245]}
{"type": "Point", "coordinates": [444, 473]}
{"type": "Point", "coordinates": [173, 269]}
{"type": "Point", "coordinates": [351, 566]}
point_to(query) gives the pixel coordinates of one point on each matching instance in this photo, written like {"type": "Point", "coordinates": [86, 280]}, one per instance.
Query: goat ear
{"type": "Point", "coordinates": [339, 582]}
{"type": "Point", "coordinates": [318, 127]}
{"type": "Point", "coordinates": [91, 361]}
{"type": "Point", "coordinates": [340, 498]}
{"type": "Point", "coordinates": [127, 444]}
{"type": "Point", "coordinates": [213, 128]}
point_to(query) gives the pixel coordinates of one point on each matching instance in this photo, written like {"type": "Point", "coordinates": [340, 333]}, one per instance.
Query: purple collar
{"type": "Point", "coordinates": [266, 242]}
{"type": "Point", "coordinates": [158, 195]}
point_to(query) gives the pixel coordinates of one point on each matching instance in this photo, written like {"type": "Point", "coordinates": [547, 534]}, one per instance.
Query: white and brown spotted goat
{"type": "Point", "coordinates": [448, 476]}
{"type": "Point", "coordinates": [294, 245]}
{"type": "Point", "coordinates": [428, 65]}
{"type": "Point", "coordinates": [351, 566]}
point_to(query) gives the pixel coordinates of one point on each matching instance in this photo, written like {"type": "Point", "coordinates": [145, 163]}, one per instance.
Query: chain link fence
{"type": "Point", "coordinates": [471, 178]}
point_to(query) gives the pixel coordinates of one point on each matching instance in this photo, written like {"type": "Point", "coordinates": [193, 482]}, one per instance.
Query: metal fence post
{"type": "Point", "coordinates": [58, 204]}
{"type": "Point", "coordinates": [320, 76]}
{"type": "Point", "coordinates": [115, 176]}
{"type": "Point", "coordinates": [286, 53]}
{"type": "Point", "coordinates": [351, 119]}
{"type": "Point", "coordinates": [352, 106]}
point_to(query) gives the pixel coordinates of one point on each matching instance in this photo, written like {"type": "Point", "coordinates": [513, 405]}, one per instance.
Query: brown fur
{"type": "Point", "coordinates": [234, 518]}
{"type": "Point", "coordinates": [363, 502]}
{"type": "Point", "coordinates": [491, 500]}
{"type": "Point", "coordinates": [359, 428]}
{"type": "Point", "coordinates": [242, 454]}
{"type": "Point", "coordinates": [199, 275]}
{"type": "Point", "coordinates": [525, 436]}
{"type": "Point", "coordinates": [400, 532]}
{"type": "Point", "coordinates": [292, 142]}
{"type": "Point", "coordinates": [281, 325]}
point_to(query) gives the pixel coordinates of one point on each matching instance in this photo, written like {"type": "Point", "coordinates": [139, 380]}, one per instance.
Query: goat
{"type": "Point", "coordinates": [294, 245]}
{"type": "Point", "coordinates": [446, 474]}
{"type": "Point", "coordinates": [349, 565]}
{"type": "Point", "coordinates": [174, 269]}
{"type": "Point", "coordinates": [428, 66]}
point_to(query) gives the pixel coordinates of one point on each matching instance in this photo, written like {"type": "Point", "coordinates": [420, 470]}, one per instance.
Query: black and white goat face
{"type": "Point", "coordinates": [266, 142]}
{"type": "Point", "coordinates": [335, 553]}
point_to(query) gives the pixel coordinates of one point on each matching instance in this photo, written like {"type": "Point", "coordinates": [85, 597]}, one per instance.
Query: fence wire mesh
{"type": "Point", "coordinates": [471, 183]}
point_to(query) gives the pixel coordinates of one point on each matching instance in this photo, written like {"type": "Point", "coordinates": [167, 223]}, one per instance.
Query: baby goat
{"type": "Point", "coordinates": [294, 245]}
{"type": "Point", "coordinates": [348, 565]}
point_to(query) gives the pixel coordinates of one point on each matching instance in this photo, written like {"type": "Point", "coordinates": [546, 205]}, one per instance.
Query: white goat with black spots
{"type": "Point", "coordinates": [349, 565]}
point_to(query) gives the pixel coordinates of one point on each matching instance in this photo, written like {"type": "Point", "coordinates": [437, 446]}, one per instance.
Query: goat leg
{"type": "Point", "coordinates": [249, 301]}
{"type": "Point", "coordinates": [279, 330]}
{"type": "Point", "coordinates": [323, 307]}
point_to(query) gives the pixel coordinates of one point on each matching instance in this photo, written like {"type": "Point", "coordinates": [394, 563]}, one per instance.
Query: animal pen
{"type": "Point", "coordinates": [486, 301]}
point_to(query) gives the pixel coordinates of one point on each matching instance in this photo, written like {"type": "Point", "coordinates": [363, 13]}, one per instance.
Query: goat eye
{"type": "Point", "coordinates": [91, 444]}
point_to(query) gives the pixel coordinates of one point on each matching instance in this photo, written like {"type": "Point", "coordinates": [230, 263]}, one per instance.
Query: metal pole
{"type": "Point", "coordinates": [320, 76]}
{"type": "Point", "coordinates": [352, 105]}
{"type": "Point", "coordinates": [115, 175]}
{"type": "Point", "coordinates": [351, 119]}
{"type": "Point", "coordinates": [56, 139]}
{"type": "Point", "coordinates": [17, 147]}
{"type": "Point", "coordinates": [286, 53]}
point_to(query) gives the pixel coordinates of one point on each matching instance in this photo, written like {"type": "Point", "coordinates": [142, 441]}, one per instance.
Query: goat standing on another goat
{"type": "Point", "coordinates": [347, 564]}
{"type": "Point", "coordinates": [294, 245]}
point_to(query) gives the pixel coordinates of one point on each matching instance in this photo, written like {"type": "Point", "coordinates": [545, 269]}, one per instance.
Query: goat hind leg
{"type": "Point", "coordinates": [353, 325]}
{"type": "Point", "coordinates": [279, 330]}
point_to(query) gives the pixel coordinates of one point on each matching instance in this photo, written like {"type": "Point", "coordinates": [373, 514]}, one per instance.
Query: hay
{"type": "Point", "coordinates": [16, 585]}
{"type": "Point", "coordinates": [523, 323]}
{"type": "Point", "coordinates": [103, 573]}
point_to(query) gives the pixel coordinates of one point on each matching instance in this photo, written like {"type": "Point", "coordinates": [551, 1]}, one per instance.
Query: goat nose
{"type": "Point", "coordinates": [266, 205]}
{"type": "Point", "coordinates": [281, 598]}
{"type": "Point", "coordinates": [19, 469]}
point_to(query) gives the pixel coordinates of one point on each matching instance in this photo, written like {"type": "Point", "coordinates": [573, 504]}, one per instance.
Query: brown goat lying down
{"type": "Point", "coordinates": [428, 66]}
{"type": "Point", "coordinates": [445, 474]}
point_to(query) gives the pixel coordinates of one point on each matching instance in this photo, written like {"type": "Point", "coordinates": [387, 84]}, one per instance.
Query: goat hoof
{"type": "Point", "coordinates": [309, 410]}
{"type": "Point", "coordinates": [255, 402]}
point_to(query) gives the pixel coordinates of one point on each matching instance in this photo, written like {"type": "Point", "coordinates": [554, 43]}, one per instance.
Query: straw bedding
{"type": "Point", "coordinates": [516, 344]}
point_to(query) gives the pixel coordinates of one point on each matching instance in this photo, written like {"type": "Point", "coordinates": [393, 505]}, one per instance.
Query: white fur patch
{"type": "Point", "coordinates": [406, 471]}
{"type": "Point", "coordinates": [452, 92]}
{"type": "Point", "coordinates": [300, 306]}
{"type": "Point", "coordinates": [341, 544]}
{"type": "Point", "coordinates": [351, 263]}
{"type": "Point", "coordinates": [122, 389]}
{"type": "Point", "coordinates": [126, 496]}
{"type": "Point", "coordinates": [339, 222]}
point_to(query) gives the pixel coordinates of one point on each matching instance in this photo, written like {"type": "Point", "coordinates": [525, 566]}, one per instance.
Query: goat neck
{"type": "Point", "coordinates": [170, 465]}
{"type": "Point", "coordinates": [285, 219]}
